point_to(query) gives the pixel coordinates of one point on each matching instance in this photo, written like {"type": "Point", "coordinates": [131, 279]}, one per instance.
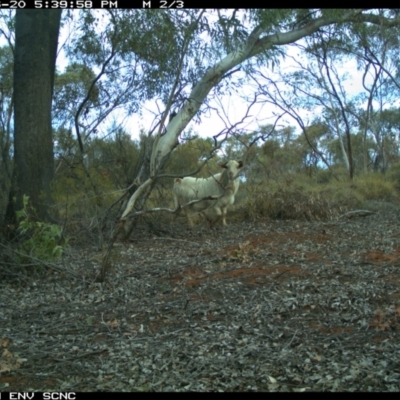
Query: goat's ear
{"type": "Point", "coordinates": [240, 164]}
{"type": "Point", "coordinates": [178, 180]}
{"type": "Point", "coordinates": [223, 165]}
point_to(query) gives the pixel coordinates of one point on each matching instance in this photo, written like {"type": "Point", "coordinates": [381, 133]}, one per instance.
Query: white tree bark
{"type": "Point", "coordinates": [214, 75]}
{"type": "Point", "coordinates": [254, 45]}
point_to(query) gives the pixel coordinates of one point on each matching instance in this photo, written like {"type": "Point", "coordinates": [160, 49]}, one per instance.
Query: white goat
{"type": "Point", "coordinates": [218, 192]}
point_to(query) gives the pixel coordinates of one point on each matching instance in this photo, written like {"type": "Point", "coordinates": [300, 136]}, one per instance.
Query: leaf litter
{"type": "Point", "coordinates": [266, 306]}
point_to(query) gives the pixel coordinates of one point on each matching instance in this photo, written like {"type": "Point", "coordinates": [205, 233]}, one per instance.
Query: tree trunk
{"type": "Point", "coordinates": [36, 36]}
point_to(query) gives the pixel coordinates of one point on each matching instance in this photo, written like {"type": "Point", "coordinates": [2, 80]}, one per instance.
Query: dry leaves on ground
{"type": "Point", "coordinates": [269, 306]}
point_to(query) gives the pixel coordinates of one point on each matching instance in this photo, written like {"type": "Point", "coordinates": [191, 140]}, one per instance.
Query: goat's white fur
{"type": "Point", "coordinates": [218, 193]}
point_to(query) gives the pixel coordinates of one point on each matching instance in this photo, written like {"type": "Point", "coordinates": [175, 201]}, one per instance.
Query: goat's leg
{"type": "Point", "coordinates": [219, 214]}
{"type": "Point", "coordinates": [189, 220]}
{"type": "Point", "coordinates": [224, 216]}
{"type": "Point", "coordinates": [207, 218]}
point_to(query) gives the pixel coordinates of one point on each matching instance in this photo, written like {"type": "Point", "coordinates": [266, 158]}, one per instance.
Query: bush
{"type": "Point", "coordinates": [39, 239]}
{"type": "Point", "coordinates": [324, 176]}
{"type": "Point", "coordinates": [373, 186]}
{"type": "Point", "coordinates": [298, 197]}
{"type": "Point", "coordinates": [393, 175]}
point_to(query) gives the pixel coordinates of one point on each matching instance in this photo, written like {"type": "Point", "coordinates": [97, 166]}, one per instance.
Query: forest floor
{"type": "Point", "coordinates": [272, 305]}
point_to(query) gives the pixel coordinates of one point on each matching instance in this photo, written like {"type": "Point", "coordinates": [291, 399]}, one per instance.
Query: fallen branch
{"type": "Point", "coordinates": [357, 213]}
{"type": "Point", "coordinates": [172, 211]}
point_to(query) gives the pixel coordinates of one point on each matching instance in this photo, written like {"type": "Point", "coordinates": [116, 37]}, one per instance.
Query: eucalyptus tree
{"type": "Point", "coordinates": [70, 87]}
{"type": "Point", "coordinates": [336, 102]}
{"type": "Point", "coordinates": [377, 52]}
{"type": "Point", "coordinates": [316, 86]}
{"type": "Point", "coordinates": [36, 37]}
{"type": "Point", "coordinates": [249, 40]}
{"type": "Point", "coordinates": [115, 64]}
{"type": "Point", "coordinates": [6, 108]}
{"type": "Point", "coordinates": [184, 57]}
{"type": "Point", "coordinates": [375, 49]}
{"type": "Point", "coordinates": [380, 130]}
{"type": "Point", "coordinates": [277, 154]}
{"type": "Point", "coordinates": [233, 40]}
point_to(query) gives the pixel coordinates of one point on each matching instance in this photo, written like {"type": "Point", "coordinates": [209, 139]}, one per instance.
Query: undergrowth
{"type": "Point", "coordinates": [296, 196]}
{"type": "Point", "coordinates": [39, 240]}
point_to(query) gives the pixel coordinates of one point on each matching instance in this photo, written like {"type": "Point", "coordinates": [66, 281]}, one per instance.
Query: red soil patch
{"type": "Point", "coordinates": [29, 383]}
{"type": "Point", "coordinates": [378, 256]}
{"type": "Point", "coordinates": [334, 329]}
{"type": "Point", "coordinates": [278, 238]}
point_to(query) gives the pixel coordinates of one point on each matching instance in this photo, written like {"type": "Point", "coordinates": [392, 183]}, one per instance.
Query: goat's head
{"type": "Point", "coordinates": [233, 168]}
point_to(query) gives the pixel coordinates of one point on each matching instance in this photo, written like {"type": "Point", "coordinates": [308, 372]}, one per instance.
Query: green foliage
{"type": "Point", "coordinates": [296, 196]}
{"type": "Point", "coordinates": [6, 71]}
{"type": "Point", "coordinates": [187, 157]}
{"type": "Point", "coordinates": [284, 151]}
{"type": "Point", "coordinates": [70, 87]}
{"type": "Point", "coordinates": [337, 172]}
{"type": "Point", "coordinates": [271, 19]}
{"type": "Point", "coordinates": [393, 175]}
{"type": "Point", "coordinates": [114, 158]}
{"type": "Point", "coordinates": [39, 239]}
{"type": "Point", "coordinates": [74, 195]}
{"type": "Point", "coordinates": [373, 186]}
{"type": "Point", "coordinates": [358, 144]}
{"type": "Point", "coordinates": [83, 202]}
{"type": "Point", "coordinates": [6, 106]}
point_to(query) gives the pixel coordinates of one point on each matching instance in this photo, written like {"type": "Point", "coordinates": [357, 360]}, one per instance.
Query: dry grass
{"type": "Point", "coordinates": [302, 198]}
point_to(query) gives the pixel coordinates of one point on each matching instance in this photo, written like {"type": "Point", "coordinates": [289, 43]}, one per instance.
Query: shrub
{"type": "Point", "coordinates": [298, 197]}
{"type": "Point", "coordinates": [39, 239]}
{"type": "Point", "coordinates": [374, 187]}
{"type": "Point", "coordinates": [393, 175]}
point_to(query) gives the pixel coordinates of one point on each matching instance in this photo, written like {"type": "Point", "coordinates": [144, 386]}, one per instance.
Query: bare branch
{"type": "Point", "coordinates": [169, 210]}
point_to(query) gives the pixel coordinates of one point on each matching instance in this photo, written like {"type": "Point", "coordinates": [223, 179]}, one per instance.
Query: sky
{"type": "Point", "coordinates": [234, 106]}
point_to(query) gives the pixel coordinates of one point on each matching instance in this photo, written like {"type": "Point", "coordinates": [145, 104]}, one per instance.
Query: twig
{"type": "Point", "coordinates": [356, 213]}
{"type": "Point", "coordinates": [288, 344]}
